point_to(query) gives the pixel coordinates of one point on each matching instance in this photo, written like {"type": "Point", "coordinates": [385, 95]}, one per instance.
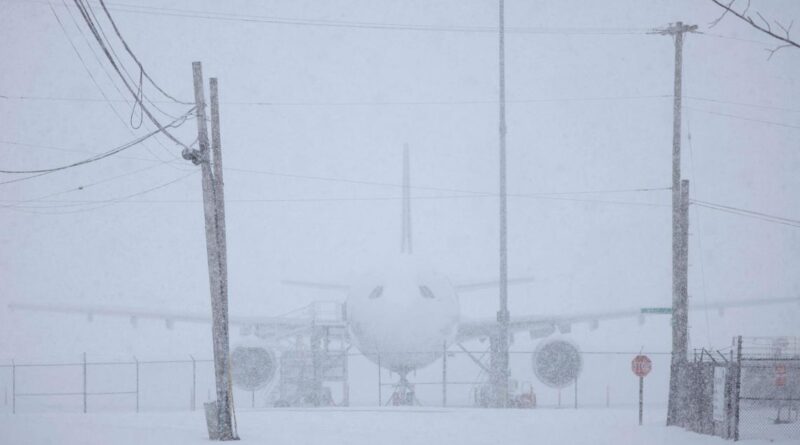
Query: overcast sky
{"type": "Point", "coordinates": [315, 111]}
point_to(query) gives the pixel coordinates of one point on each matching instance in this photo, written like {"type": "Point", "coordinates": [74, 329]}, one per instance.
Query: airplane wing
{"type": "Point", "coordinates": [460, 287]}
{"type": "Point", "coordinates": [266, 327]}
{"type": "Point", "coordinates": [543, 326]}
{"type": "Point", "coordinates": [489, 284]}
{"type": "Point", "coordinates": [339, 287]}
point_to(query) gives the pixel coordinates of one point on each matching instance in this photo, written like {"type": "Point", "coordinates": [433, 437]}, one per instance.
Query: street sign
{"type": "Point", "coordinates": [656, 310]}
{"type": "Point", "coordinates": [641, 365]}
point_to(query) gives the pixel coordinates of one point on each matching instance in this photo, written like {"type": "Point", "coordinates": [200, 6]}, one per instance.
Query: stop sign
{"type": "Point", "coordinates": [641, 365]}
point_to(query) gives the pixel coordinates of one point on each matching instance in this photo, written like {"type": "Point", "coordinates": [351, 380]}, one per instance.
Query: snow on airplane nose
{"type": "Point", "coordinates": [403, 314]}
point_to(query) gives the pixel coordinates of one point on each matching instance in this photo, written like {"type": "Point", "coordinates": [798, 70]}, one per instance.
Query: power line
{"type": "Point", "coordinates": [142, 73]}
{"type": "Point", "coordinates": [274, 20]}
{"type": "Point", "coordinates": [410, 103]}
{"type": "Point", "coordinates": [108, 202]}
{"type": "Point", "coordinates": [89, 72]}
{"type": "Point", "coordinates": [113, 151]}
{"type": "Point", "coordinates": [138, 63]}
{"type": "Point", "coordinates": [744, 104]}
{"type": "Point", "coordinates": [454, 193]}
{"type": "Point", "coordinates": [439, 189]}
{"type": "Point", "coordinates": [74, 203]}
{"type": "Point", "coordinates": [77, 150]}
{"type": "Point", "coordinates": [94, 29]}
{"type": "Point", "coordinates": [747, 213]}
{"type": "Point", "coordinates": [738, 39]}
{"type": "Point", "coordinates": [25, 178]}
{"type": "Point", "coordinates": [358, 181]}
{"type": "Point", "coordinates": [368, 103]}
{"type": "Point", "coordinates": [83, 62]}
{"type": "Point", "coordinates": [470, 195]}
{"type": "Point", "coordinates": [737, 209]}
{"type": "Point", "coordinates": [467, 193]}
{"type": "Point", "coordinates": [447, 102]}
{"type": "Point", "coordinates": [222, 16]}
{"type": "Point", "coordinates": [85, 186]}
{"type": "Point", "coordinates": [733, 116]}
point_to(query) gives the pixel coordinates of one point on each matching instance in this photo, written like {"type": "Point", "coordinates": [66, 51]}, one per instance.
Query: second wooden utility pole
{"type": "Point", "coordinates": [210, 160]}
{"type": "Point", "coordinates": [680, 322]}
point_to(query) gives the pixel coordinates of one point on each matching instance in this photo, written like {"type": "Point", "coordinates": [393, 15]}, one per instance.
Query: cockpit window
{"type": "Point", "coordinates": [376, 293]}
{"type": "Point", "coordinates": [425, 291]}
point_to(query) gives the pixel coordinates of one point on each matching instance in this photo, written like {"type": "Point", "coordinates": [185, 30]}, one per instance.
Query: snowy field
{"type": "Point", "coordinates": [356, 426]}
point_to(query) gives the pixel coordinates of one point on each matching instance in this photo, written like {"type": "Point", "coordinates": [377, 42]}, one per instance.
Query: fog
{"type": "Point", "coordinates": [314, 117]}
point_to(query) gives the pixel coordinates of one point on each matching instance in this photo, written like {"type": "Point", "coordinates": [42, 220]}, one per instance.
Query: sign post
{"type": "Point", "coordinates": [641, 366]}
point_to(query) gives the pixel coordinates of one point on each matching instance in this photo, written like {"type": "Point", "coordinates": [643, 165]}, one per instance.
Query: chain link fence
{"type": "Point", "coordinates": [454, 379]}
{"type": "Point", "coordinates": [107, 386]}
{"type": "Point", "coordinates": [769, 392]}
{"type": "Point", "coordinates": [751, 391]}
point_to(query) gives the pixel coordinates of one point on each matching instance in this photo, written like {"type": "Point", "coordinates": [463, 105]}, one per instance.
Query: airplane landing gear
{"type": "Point", "coordinates": [403, 394]}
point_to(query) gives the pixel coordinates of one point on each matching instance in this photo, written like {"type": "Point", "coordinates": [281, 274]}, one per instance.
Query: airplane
{"type": "Point", "coordinates": [402, 315]}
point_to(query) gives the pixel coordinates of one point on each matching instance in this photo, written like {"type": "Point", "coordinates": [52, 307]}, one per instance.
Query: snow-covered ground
{"type": "Point", "coordinates": [356, 426]}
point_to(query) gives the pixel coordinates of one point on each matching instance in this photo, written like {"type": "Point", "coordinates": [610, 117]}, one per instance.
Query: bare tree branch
{"type": "Point", "coordinates": [724, 13]}
{"type": "Point", "coordinates": [763, 20]}
{"type": "Point", "coordinates": [774, 50]}
{"type": "Point", "coordinates": [765, 28]}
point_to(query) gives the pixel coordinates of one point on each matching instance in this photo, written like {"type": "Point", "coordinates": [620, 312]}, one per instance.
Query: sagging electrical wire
{"type": "Point", "coordinates": [83, 9]}
{"type": "Point", "coordinates": [174, 124]}
{"type": "Point", "coordinates": [136, 59]}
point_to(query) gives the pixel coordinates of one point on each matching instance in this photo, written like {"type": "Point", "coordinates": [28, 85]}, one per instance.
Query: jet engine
{"type": "Point", "coordinates": [252, 367]}
{"type": "Point", "coordinates": [557, 363]}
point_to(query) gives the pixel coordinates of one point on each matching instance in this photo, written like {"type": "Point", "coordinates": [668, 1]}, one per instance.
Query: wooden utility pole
{"type": "Point", "coordinates": [499, 342]}
{"type": "Point", "coordinates": [210, 160]}
{"type": "Point", "coordinates": [680, 345]}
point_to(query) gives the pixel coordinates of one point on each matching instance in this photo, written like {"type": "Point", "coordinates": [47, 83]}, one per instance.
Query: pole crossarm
{"type": "Point", "coordinates": [673, 29]}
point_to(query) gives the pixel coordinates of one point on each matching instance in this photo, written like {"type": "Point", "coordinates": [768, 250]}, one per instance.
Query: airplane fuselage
{"type": "Point", "coordinates": [402, 315]}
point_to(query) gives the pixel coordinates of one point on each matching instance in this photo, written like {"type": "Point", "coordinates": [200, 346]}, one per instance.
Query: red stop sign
{"type": "Point", "coordinates": [641, 365]}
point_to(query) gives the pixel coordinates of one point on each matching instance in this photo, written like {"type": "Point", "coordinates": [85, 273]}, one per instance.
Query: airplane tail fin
{"type": "Point", "coordinates": [406, 245]}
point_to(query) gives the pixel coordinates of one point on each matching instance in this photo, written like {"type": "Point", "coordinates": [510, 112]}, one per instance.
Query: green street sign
{"type": "Point", "coordinates": [656, 310]}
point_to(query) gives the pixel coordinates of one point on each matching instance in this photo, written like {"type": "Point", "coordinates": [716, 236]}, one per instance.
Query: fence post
{"type": "Point", "coordinates": [576, 392]}
{"type": "Point", "coordinates": [194, 382]}
{"type": "Point", "coordinates": [137, 383]}
{"type": "Point", "coordinates": [346, 383]}
{"type": "Point", "coordinates": [380, 388]}
{"type": "Point", "coordinates": [84, 383]}
{"type": "Point", "coordinates": [738, 388]}
{"type": "Point", "coordinates": [13, 387]}
{"type": "Point", "coordinates": [444, 375]}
